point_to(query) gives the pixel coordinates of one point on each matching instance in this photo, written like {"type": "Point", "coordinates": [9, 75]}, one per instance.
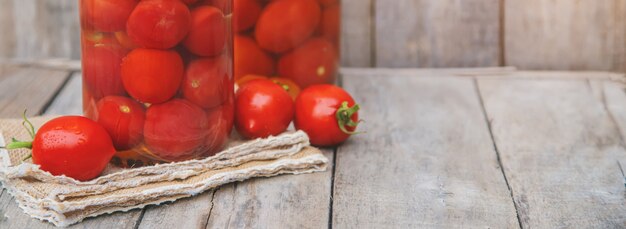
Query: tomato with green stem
{"type": "Point", "coordinates": [327, 113]}
{"type": "Point", "coordinates": [73, 146]}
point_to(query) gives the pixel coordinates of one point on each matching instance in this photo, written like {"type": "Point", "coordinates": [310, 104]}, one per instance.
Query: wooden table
{"type": "Point", "coordinates": [476, 148]}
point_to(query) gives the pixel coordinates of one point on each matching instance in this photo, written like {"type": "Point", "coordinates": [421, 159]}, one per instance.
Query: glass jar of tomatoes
{"type": "Point", "coordinates": [294, 39]}
{"type": "Point", "coordinates": [158, 75]}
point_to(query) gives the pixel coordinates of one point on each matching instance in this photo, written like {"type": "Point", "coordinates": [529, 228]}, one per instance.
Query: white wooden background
{"type": "Point", "coordinates": [528, 34]}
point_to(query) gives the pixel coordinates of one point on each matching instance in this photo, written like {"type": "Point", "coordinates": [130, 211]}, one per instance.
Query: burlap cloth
{"type": "Point", "coordinates": [64, 201]}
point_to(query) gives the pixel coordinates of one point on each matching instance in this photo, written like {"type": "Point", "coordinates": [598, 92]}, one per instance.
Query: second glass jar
{"type": "Point", "coordinates": [294, 39]}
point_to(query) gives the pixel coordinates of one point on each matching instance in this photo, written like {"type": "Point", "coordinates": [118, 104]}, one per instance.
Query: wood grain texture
{"type": "Point", "coordinates": [40, 29]}
{"type": "Point", "coordinates": [559, 149]}
{"type": "Point", "coordinates": [195, 212]}
{"type": "Point", "coordinates": [7, 23]}
{"type": "Point", "coordinates": [427, 159]}
{"type": "Point", "coordinates": [614, 97]}
{"type": "Point", "coordinates": [28, 88]}
{"type": "Point", "coordinates": [69, 100]}
{"type": "Point", "coordinates": [290, 201]}
{"type": "Point", "coordinates": [357, 25]}
{"type": "Point", "coordinates": [442, 33]}
{"type": "Point", "coordinates": [565, 34]}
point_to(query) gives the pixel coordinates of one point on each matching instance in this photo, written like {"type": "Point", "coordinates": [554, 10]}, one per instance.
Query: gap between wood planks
{"type": "Point", "coordinates": [495, 148]}
{"type": "Point", "coordinates": [613, 120]}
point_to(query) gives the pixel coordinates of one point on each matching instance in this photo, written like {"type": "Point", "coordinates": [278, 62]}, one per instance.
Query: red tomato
{"type": "Point", "coordinates": [327, 113]}
{"type": "Point", "coordinates": [124, 40]}
{"type": "Point", "coordinates": [102, 58]}
{"type": "Point", "coordinates": [246, 12]}
{"type": "Point", "coordinates": [152, 76]}
{"type": "Point", "coordinates": [189, 2]}
{"type": "Point", "coordinates": [284, 24]}
{"type": "Point", "coordinates": [329, 26]}
{"type": "Point", "coordinates": [327, 3]}
{"type": "Point", "coordinates": [221, 124]}
{"type": "Point", "coordinates": [291, 87]}
{"type": "Point", "coordinates": [262, 108]}
{"type": "Point", "coordinates": [315, 62]}
{"type": "Point", "coordinates": [248, 78]}
{"type": "Point", "coordinates": [250, 58]}
{"type": "Point", "coordinates": [159, 24]}
{"type": "Point", "coordinates": [223, 5]}
{"type": "Point", "coordinates": [207, 35]}
{"type": "Point", "coordinates": [175, 130]}
{"type": "Point", "coordinates": [107, 15]}
{"type": "Point", "coordinates": [204, 82]}
{"type": "Point", "coordinates": [123, 118]}
{"type": "Point", "coordinates": [92, 38]}
{"type": "Point", "coordinates": [73, 146]}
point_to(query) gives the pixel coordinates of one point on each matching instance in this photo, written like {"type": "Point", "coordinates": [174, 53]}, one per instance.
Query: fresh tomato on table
{"type": "Point", "coordinates": [73, 146]}
{"type": "Point", "coordinates": [262, 108]}
{"type": "Point", "coordinates": [327, 113]}
{"type": "Point", "coordinates": [291, 87]}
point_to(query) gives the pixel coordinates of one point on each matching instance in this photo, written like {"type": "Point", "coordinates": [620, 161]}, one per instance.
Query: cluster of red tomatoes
{"type": "Point", "coordinates": [158, 81]}
{"type": "Point", "coordinates": [158, 74]}
{"type": "Point", "coordinates": [294, 39]}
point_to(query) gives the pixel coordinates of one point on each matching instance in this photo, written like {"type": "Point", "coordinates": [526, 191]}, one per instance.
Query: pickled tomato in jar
{"type": "Point", "coordinates": [158, 75]}
{"type": "Point", "coordinates": [295, 39]}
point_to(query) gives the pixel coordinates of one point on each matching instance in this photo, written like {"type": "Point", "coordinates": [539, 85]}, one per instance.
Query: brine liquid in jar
{"type": "Point", "coordinates": [158, 75]}
{"type": "Point", "coordinates": [293, 39]}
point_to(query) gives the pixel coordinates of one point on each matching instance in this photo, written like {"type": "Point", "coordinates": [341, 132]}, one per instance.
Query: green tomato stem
{"type": "Point", "coordinates": [19, 145]}
{"type": "Point", "coordinates": [344, 117]}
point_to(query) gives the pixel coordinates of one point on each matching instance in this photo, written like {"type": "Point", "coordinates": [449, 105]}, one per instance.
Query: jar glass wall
{"type": "Point", "coordinates": [158, 75]}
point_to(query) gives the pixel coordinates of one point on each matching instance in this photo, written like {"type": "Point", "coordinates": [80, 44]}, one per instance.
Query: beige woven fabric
{"type": "Point", "coordinates": [64, 201]}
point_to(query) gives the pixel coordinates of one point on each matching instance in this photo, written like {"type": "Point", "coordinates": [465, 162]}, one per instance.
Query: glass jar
{"type": "Point", "coordinates": [158, 75]}
{"type": "Point", "coordinates": [295, 39]}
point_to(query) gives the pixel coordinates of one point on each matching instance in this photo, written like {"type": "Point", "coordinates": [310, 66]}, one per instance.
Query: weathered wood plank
{"type": "Point", "coordinates": [300, 201]}
{"type": "Point", "coordinates": [195, 212]}
{"type": "Point", "coordinates": [443, 33]}
{"type": "Point", "coordinates": [40, 29]}
{"type": "Point", "coordinates": [427, 159]}
{"type": "Point", "coordinates": [8, 39]}
{"type": "Point", "coordinates": [357, 33]}
{"type": "Point", "coordinates": [69, 100]}
{"type": "Point", "coordinates": [559, 148]}
{"type": "Point", "coordinates": [614, 98]}
{"type": "Point", "coordinates": [28, 88]}
{"type": "Point", "coordinates": [566, 35]}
